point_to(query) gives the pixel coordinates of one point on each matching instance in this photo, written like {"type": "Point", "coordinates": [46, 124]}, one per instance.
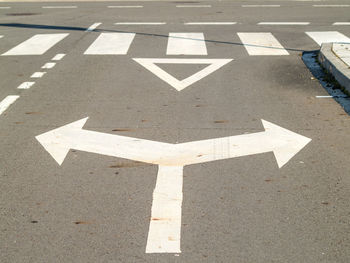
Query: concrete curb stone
{"type": "Point", "coordinates": [334, 65]}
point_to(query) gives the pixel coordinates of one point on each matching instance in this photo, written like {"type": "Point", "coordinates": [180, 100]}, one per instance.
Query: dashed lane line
{"type": "Point", "coordinates": [140, 23]}
{"type": "Point", "coordinates": [261, 5]}
{"type": "Point", "coordinates": [190, 6]}
{"type": "Point", "coordinates": [49, 65]}
{"type": "Point", "coordinates": [5, 103]}
{"type": "Point", "coordinates": [125, 6]}
{"type": "Point", "coordinates": [58, 57]}
{"type": "Point", "coordinates": [38, 74]}
{"type": "Point", "coordinates": [210, 23]}
{"type": "Point", "coordinates": [93, 27]}
{"type": "Point", "coordinates": [341, 24]}
{"type": "Point", "coordinates": [59, 6]}
{"type": "Point", "coordinates": [331, 5]}
{"type": "Point", "coordinates": [26, 85]}
{"type": "Point", "coordinates": [285, 23]}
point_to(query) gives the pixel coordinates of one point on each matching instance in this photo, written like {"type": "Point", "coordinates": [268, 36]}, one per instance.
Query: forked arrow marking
{"type": "Point", "coordinates": [165, 225]}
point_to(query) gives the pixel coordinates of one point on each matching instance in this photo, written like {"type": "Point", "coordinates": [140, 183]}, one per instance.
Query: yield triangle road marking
{"type": "Point", "coordinates": [150, 64]}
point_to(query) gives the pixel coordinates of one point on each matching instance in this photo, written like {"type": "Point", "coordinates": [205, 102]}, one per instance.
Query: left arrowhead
{"type": "Point", "coordinates": [55, 142]}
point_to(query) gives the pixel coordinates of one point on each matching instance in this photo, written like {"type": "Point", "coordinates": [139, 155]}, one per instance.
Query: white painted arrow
{"type": "Point", "coordinates": [165, 225]}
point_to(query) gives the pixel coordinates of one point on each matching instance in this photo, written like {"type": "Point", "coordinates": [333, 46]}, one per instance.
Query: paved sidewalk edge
{"type": "Point", "coordinates": [334, 65]}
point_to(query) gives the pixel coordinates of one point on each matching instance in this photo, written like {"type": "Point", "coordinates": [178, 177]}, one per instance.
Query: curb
{"type": "Point", "coordinates": [334, 65]}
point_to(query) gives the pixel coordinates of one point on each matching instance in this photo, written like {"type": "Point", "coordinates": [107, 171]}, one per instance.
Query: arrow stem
{"type": "Point", "coordinates": [165, 225]}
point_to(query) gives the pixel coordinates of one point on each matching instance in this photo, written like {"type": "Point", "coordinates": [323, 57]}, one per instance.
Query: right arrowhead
{"type": "Point", "coordinates": [288, 143]}
{"type": "Point", "coordinates": [55, 142]}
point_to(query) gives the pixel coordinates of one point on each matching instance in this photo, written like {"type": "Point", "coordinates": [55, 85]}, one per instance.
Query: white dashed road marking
{"type": "Point", "coordinates": [5, 103]}
{"type": "Point", "coordinates": [211, 23]}
{"type": "Point", "coordinates": [182, 6]}
{"type": "Point", "coordinates": [58, 57]}
{"type": "Point", "coordinates": [341, 24]}
{"type": "Point", "coordinates": [49, 65]}
{"type": "Point", "coordinates": [26, 85]}
{"type": "Point", "coordinates": [38, 74]}
{"type": "Point", "coordinates": [261, 5]}
{"type": "Point", "coordinates": [125, 6]}
{"type": "Point", "coordinates": [93, 27]}
{"type": "Point", "coordinates": [140, 23]}
{"type": "Point", "coordinates": [54, 7]}
{"type": "Point", "coordinates": [331, 5]}
{"type": "Point", "coordinates": [284, 23]}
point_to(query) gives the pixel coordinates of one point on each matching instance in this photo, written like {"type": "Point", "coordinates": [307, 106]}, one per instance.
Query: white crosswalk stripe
{"type": "Point", "coordinates": [36, 45]}
{"type": "Point", "coordinates": [327, 37]}
{"type": "Point", "coordinates": [111, 44]}
{"type": "Point", "coordinates": [178, 44]}
{"type": "Point", "coordinates": [262, 44]}
{"type": "Point", "coordinates": [186, 44]}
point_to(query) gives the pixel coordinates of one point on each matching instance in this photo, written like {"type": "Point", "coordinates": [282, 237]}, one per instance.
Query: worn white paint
{"type": "Point", "coordinates": [1, 36]}
{"type": "Point", "coordinates": [165, 225]}
{"type": "Point", "coordinates": [262, 44]}
{"type": "Point", "coordinates": [141, 23]}
{"type": "Point", "coordinates": [26, 85]}
{"type": "Point", "coordinates": [5, 7]}
{"type": "Point", "coordinates": [327, 37]}
{"type": "Point", "coordinates": [38, 74]}
{"type": "Point", "coordinates": [49, 65]}
{"type": "Point", "coordinates": [284, 143]}
{"type": "Point", "coordinates": [211, 23]}
{"type": "Point", "coordinates": [150, 64]}
{"type": "Point", "coordinates": [125, 6]}
{"type": "Point", "coordinates": [93, 27]}
{"type": "Point", "coordinates": [341, 24]}
{"type": "Point", "coordinates": [5, 103]}
{"type": "Point", "coordinates": [59, 6]}
{"type": "Point", "coordinates": [111, 44]}
{"type": "Point", "coordinates": [36, 45]}
{"type": "Point", "coordinates": [331, 5]}
{"type": "Point", "coordinates": [284, 23]}
{"type": "Point", "coordinates": [182, 6]}
{"type": "Point", "coordinates": [186, 44]}
{"type": "Point", "coordinates": [58, 57]}
{"type": "Point", "coordinates": [261, 5]}
{"type": "Point", "coordinates": [322, 97]}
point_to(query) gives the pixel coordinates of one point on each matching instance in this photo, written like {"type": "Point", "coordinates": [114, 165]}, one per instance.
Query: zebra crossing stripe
{"type": "Point", "coordinates": [186, 44]}
{"type": "Point", "coordinates": [111, 44]}
{"type": "Point", "coordinates": [262, 44]}
{"type": "Point", "coordinates": [36, 45]}
{"type": "Point", "coordinates": [328, 36]}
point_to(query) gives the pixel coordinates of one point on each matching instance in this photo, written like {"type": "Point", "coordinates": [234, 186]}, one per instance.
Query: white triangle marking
{"type": "Point", "coordinates": [150, 64]}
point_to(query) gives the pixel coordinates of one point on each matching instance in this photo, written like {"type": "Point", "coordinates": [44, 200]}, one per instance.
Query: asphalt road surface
{"type": "Point", "coordinates": [188, 131]}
